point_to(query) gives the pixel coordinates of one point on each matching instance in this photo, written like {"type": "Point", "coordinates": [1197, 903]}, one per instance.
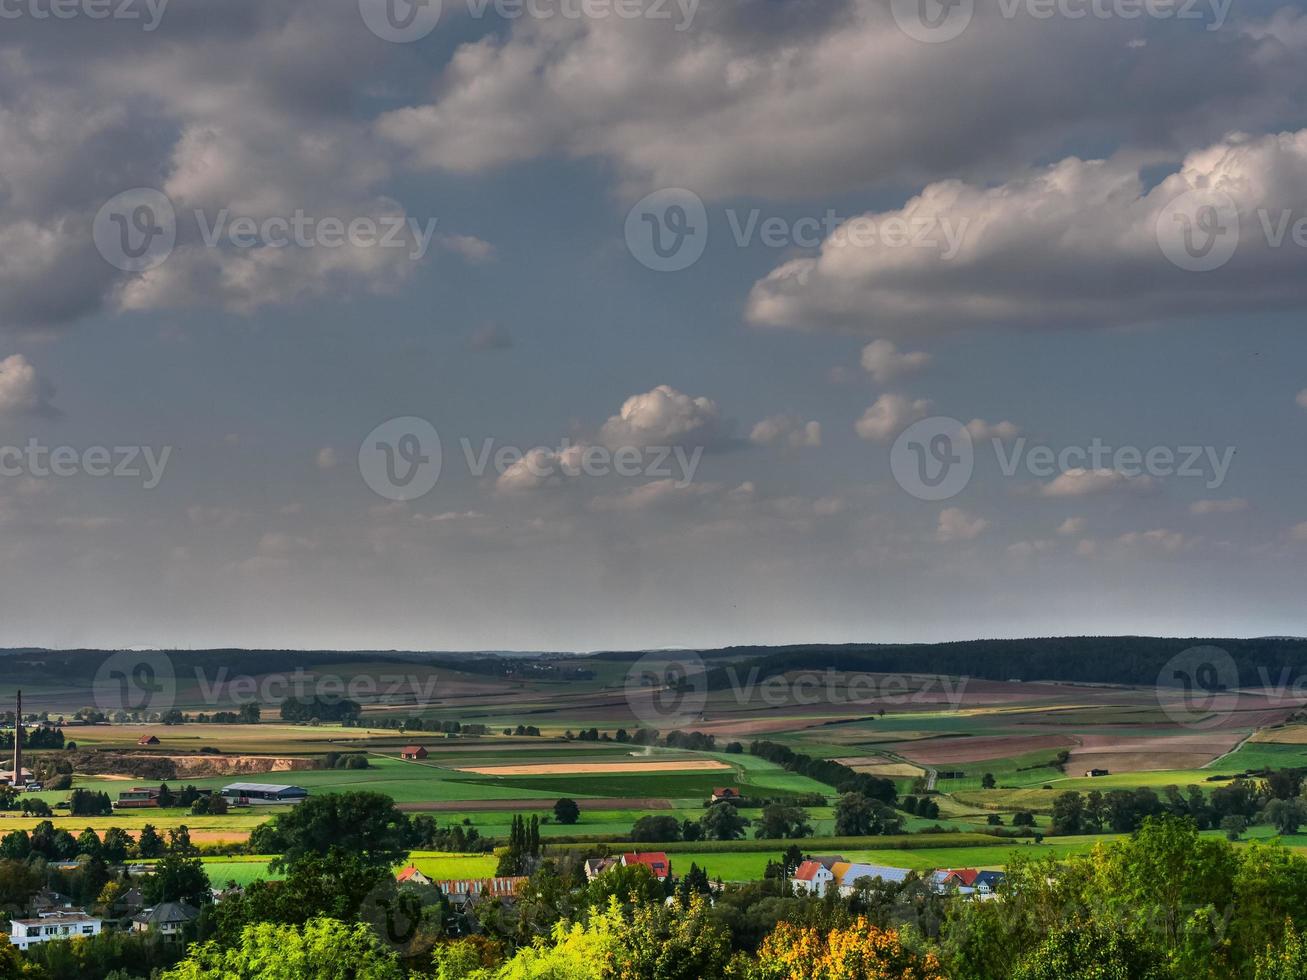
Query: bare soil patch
{"type": "Point", "coordinates": [593, 768]}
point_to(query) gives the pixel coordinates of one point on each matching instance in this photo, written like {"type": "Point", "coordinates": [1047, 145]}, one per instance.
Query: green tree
{"type": "Point", "coordinates": [177, 877]}
{"type": "Point", "coordinates": [567, 812]}
{"type": "Point", "coordinates": [859, 816]}
{"type": "Point", "coordinates": [657, 830]}
{"type": "Point", "coordinates": [1286, 816]}
{"type": "Point", "coordinates": [1068, 813]}
{"type": "Point", "coordinates": [781, 821]}
{"type": "Point", "coordinates": [149, 844]}
{"type": "Point", "coordinates": [1234, 825]}
{"type": "Point", "coordinates": [1087, 951]}
{"type": "Point", "coordinates": [723, 822]}
{"type": "Point", "coordinates": [367, 825]}
{"type": "Point", "coordinates": [321, 948]}
{"type": "Point", "coordinates": [987, 781]}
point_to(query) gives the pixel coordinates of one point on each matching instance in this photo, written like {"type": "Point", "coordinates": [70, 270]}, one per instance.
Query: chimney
{"type": "Point", "coordinates": [18, 742]}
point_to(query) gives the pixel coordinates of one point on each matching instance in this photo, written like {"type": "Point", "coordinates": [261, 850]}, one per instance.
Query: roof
{"type": "Point", "coordinates": [410, 872]}
{"type": "Point", "coordinates": [725, 791]}
{"type": "Point", "coordinates": [965, 876]}
{"type": "Point", "coordinates": [808, 870]}
{"type": "Point", "coordinates": [56, 920]}
{"type": "Point", "coordinates": [856, 871]}
{"type": "Point", "coordinates": [655, 861]}
{"type": "Point", "coordinates": [260, 788]}
{"type": "Point", "coordinates": [991, 878]}
{"type": "Point", "coordinates": [168, 912]}
{"type": "Point", "coordinates": [477, 887]}
{"type": "Point", "coordinates": [415, 748]}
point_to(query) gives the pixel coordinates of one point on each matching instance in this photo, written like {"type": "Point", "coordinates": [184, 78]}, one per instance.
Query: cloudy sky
{"type": "Point", "coordinates": [582, 324]}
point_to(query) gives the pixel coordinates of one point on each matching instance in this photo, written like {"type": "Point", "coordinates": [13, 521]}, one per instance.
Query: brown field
{"type": "Point", "coordinates": [591, 768]}
{"type": "Point", "coordinates": [1288, 735]}
{"type": "Point", "coordinates": [604, 802]}
{"type": "Point", "coordinates": [1123, 754]}
{"type": "Point", "coordinates": [944, 750]}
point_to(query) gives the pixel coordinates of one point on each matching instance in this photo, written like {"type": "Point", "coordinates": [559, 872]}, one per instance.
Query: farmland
{"type": "Point", "coordinates": [565, 727]}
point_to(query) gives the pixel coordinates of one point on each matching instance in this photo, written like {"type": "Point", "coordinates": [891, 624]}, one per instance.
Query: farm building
{"type": "Point", "coordinates": [148, 740]}
{"type": "Point", "coordinates": [138, 798]}
{"type": "Point", "coordinates": [262, 794]}
{"type": "Point", "coordinates": [726, 794]}
{"type": "Point", "coordinates": [655, 861]}
{"type": "Point", "coordinates": [947, 879]}
{"type": "Point", "coordinates": [848, 875]}
{"type": "Point", "coordinates": [1095, 773]}
{"type": "Point", "coordinates": [413, 752]}
{"type": "Point", "coordinates": [466, 892]}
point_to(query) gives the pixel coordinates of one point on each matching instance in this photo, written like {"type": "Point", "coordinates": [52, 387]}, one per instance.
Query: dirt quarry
{"type": "Point", "coordinates": [141, 765]}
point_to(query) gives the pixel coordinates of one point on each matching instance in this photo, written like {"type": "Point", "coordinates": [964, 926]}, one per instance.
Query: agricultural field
{"type": "Point", "coordinates": [1035, 739]}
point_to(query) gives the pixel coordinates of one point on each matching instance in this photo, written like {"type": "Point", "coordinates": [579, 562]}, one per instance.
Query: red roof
{"type": "Point", "coordinates": [808, 870]}
{"type": "Point", "coordinates": [655, 861]}
{"type": "Point", "coordinates": [408, 873]}
{"type": "Point", "coordinates": [726, 791]}
{"type": "Point", "coordinates": [965, 875]}
{"type": "Point", "coordinates": [413, 749]}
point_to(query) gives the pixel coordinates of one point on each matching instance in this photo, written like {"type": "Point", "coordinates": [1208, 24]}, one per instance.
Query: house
{"type": "Point", "coordinates": [127, 904]}
{"type": "Point", "coordinates": [7, 777]}
{"type": "Point", "coordinates": [655, 861]}
{"type": "Point", "coordinates": [812, 878]}
{"type": "Point", "coordinates": [1095, 773]}
{"type": "Point", "coordinates": [594, 867]}
{"type": "Point", "coordinates": [148, 740]}
{"type": "Point", "coordinates": [47, 902]}
{"type": "Point", "coordinates": [987, 882]}
{"type": "Point", "coordinates": [954, 879]}
{"type": "Point", "coordinates": [412, 875]}
{"type": "Point", "coordinates": [167, 919]}
{"type": "Point", "coordinates": [463, 893]}
{"type": "Point", "coordinates": [262, 794]}
{"type": "Point", "coordinates": [138, 798]}
{"type": "Point", "coordinates": [848, 875]}
{"type": "Point", "coordinates": [725, 794]}
{"type": "Point", "coordinates": [25, 933]}
{"type": "Point", "coordinates": [413, 753]}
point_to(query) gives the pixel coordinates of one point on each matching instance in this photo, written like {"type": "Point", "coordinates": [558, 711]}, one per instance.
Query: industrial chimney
{"type": "Point", "coordinates": [18, 742]}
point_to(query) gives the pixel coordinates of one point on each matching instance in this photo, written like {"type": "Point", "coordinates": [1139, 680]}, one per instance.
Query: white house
{"type": "Point", "coordinates": [812, 877]}
{"type": "Point", "coordinates": [25, 933]}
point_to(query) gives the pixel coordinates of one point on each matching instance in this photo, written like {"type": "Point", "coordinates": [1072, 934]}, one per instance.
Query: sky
{"type": "Point", "coordinates": [609, 324]}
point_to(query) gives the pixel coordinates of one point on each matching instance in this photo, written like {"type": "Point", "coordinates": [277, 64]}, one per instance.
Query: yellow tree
{"type": "Point", "coordinates": [860, 951]}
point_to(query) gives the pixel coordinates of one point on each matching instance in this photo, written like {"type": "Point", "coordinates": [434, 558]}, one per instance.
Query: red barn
{"type": "Point", "coordinates": [413, 752]}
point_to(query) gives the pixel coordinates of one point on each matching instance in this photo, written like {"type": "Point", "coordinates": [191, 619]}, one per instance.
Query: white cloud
{"type": "Point", "coordinates": [1299, 532]}
{"type": "Point", "coordinates": [22, 390]}
{"type": "Point", "coordinates": [473, 249]}
{"type": "Point", "coordinates": [1232, 506]}
{"type": "Point", "coordinates": [1160, 539]}
{"type": "Point", "coordinates": [1084, 483]}
{"type": "Point", "coordinates": [540, 468]}
{"type": "Point", "coordinates": [666, 417]}
{"type": "Point", "coordinates": [884, 361]}
{"type": "Point", "coordinates": [787, 430]}
{"type": "Point", "coordinates": [658, 495]}
{"type": "Point", "coordinates": [1072, 527]}
{"type": "Point", "coordinates": [1074, 243]}
{"type": "Point", "coordinates": [888, 416]}
{"type": "Point", "coordinates": [490, 336]}
{"type": "Point", "coordinates": [956, 524]}
{"type": "Point", "coordinates": [1302, 398]}
{"type": "Point", "coordinates": [327, 458]}
{"type": "Point", "coordinates": [857, 101]}
{"type": "Point", "coordinates": [1003, 431]}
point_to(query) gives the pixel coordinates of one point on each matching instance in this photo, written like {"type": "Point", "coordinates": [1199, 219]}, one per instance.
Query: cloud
{"type": "Point", "coordinates": [956, 524]}
{"type": "Point", "coordinates": [1160, 539]}
{"type": "Point", "coordinates": [22, 390]}
{"type": "Point", "coordinates": [786, 430]}
{"type": "Point", "coordinates": [540, 468]}
{"type": "Point", "coordinates": [1081, 482]}
{"type": "Point", "coordinates": [1003, 431]}
{"type": "Point", "coordinates": [1302, 398]}
{"type": "Point", "coordinates": [1076, 243]}
{"type": "Point", "coordinates": [488, 337]}
{"type": "Point", "coordinates": [1299, 532]}
{"type": "Point", "coordinates": [658, 495]}
{"type": "Point", "coordinates": [667, 417]}
{"type": "Point", "coordinates": [857, 101]}
{"type": "Point", "coordinates": [327, 458]}
{"type": "Point", "coordinates": [473, 249]}
{"type": "Point", "coordinates": [885, 362]}
{"type": "Point", "coordinates": [888, 416]}
{"type": "Point", "coordinates": [1232, 506]}
{"type": "Point", "coordinates": [1072, 527]}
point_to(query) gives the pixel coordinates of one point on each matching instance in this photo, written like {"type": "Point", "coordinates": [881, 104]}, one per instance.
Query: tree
{"type": "Point", "coordinates": [857, 951]}
{"type": "Point", "coordinates": [781, 821]}
{"type": "Point", "coordinates": [1286, 960]}
{"type": "Point", "coordinates": [1285, 815]}
{"type": "Point", "coordinates": [1081, 951]}
{"type": "Point", "coordinates": [1068, 813]}
{"type": "Point", "coordinates": [149, 844]}
{"type": "Point", "coordinates": [858, 816]}
{"type": "Point", "coordinates": [723, 822]}
{"type": "Point", "coordinates": [319, 948]}
{"type": "Point", "coordinates": [567, 812]}
{"type": "Point", "coordinates": [656, 830]}
{"type": "Point", "coordinates": [625, 883]}
{"type": "Point", "coordinates": [987, 781]}
{"type": "Point", "coordinates": [117, 842]}
{"type": "Point", "coordinates": [367, 825]}
{"type": "Point", "coordinates": [177, 877]}
{"type": "Point", "coordinates": [88, 842]}
{"type": "Point", "coordinates": [1023, 818]}
{"type": "Point", "coordinates": [1234, 826]}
